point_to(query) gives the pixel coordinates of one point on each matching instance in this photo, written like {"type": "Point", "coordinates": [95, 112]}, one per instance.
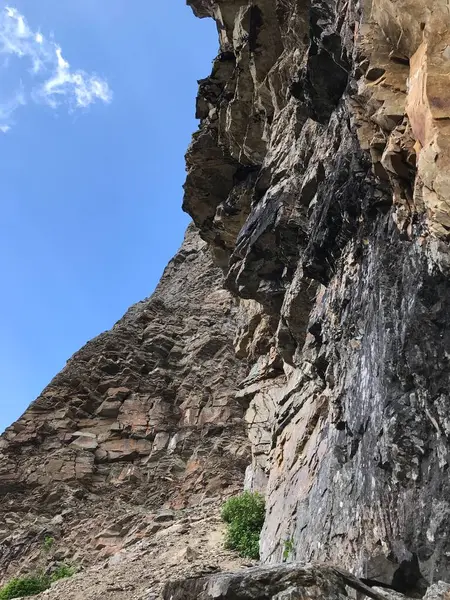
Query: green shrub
{"type": "Point", "coordinates": [244, 515]}
{"type": "Point", "coordinates": [30, 585]}
{"type": "Point", "coordinates": [24, 586]}
{"type": "Point", "coordinates": [48, 543]}
{"type": "Point", "coordinates": [62, 572]}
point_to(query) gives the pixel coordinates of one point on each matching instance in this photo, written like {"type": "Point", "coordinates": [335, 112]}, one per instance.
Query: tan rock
{"type": "Point", "coordinates": [85, 442]}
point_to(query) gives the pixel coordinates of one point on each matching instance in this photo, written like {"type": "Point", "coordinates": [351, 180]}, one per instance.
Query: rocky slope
{"type": "Point", "coordinates": [142, 417]}
{"type": "Point", "coordinates": [319, 182]}
{"type": "Point", "coordinates": [188, 544]}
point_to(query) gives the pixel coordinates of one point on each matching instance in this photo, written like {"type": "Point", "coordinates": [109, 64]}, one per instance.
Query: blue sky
{"type": "Point", "coordinates": [96, 112]}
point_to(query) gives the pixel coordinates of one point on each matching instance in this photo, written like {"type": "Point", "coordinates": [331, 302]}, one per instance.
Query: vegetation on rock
{"type": "Point", "coordinates": [48, 543]}
{"type": "Point", "coordinates": [30, 585]}
{"type": "Point", "coordinates": [20, 587]}
{"type": "Point", "coordinates": [244, 515]}
{"type": "Point", "coordinates": [288, 548]}
{"type": "Point", "coordinates": [62, 571]}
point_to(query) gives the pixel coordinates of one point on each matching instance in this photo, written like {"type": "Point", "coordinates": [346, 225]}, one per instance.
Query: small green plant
{"type": "Point", "coordinates": [62, 571]}
{"type": "Point", "coordinates": [48, 543]}
{"type": "Point", "coordinates": [21, 587]}
{"type": "Point", "coordinates": [244, 515]}
{"type": "Point", "coordinates": [30, 585]}
{"type": "Point", "coordinates": [288, 548]}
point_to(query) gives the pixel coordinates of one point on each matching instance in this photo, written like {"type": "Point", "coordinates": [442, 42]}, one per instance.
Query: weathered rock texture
{"type": "Point", "coordinates": [286, 582]}
{"type": "Point", "coordinates": [143, 416]}
{"type": "Point", "coordinates": [320, 178]}
{"type": "Point", "coordinates": [277, 583]}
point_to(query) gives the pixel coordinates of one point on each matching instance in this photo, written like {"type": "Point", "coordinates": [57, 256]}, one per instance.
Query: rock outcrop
{"type": "Point", "coordinates": [319, 183]}
{"type": "Point", "coordinates": [319, 176]}
{"type": "Point", "coordinates": [287, 582]}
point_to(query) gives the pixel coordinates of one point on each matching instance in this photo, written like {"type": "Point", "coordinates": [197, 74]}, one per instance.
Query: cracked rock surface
{"type": "Point", "coordinates": [326, 203]}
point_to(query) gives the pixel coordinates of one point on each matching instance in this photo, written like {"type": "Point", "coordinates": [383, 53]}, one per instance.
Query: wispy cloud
{"type": "Point", "coordinates": [76, 85]}
{"type": "Point", "coordinates": [9, 107]}
{"type": "Point", "coordinates": [50, 78]}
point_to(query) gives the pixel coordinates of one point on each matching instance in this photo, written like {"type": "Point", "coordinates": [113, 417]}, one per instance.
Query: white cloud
{"type": "Point", "coordinates": [51, 79]}
{"type": "Point", "coordinates": [84, 88]}
{"type": "Point", "coordinates": [8, 107]}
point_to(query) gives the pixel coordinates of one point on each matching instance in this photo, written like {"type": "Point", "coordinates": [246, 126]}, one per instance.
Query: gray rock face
{"type": "Point", "coordinates": [312, 179]}
{"type": "Point", "coordinates": [369, 419]}
{"type": "Point", "coordinates": [262, 583]}
{"type": "Point", "coordinates": [286, 582]}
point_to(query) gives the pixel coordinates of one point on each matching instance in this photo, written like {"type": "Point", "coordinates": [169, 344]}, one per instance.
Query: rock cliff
{"type": "Point", "coordinates": [319, 176]}
{"type": "Point", "coordinates": [319, 183]}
